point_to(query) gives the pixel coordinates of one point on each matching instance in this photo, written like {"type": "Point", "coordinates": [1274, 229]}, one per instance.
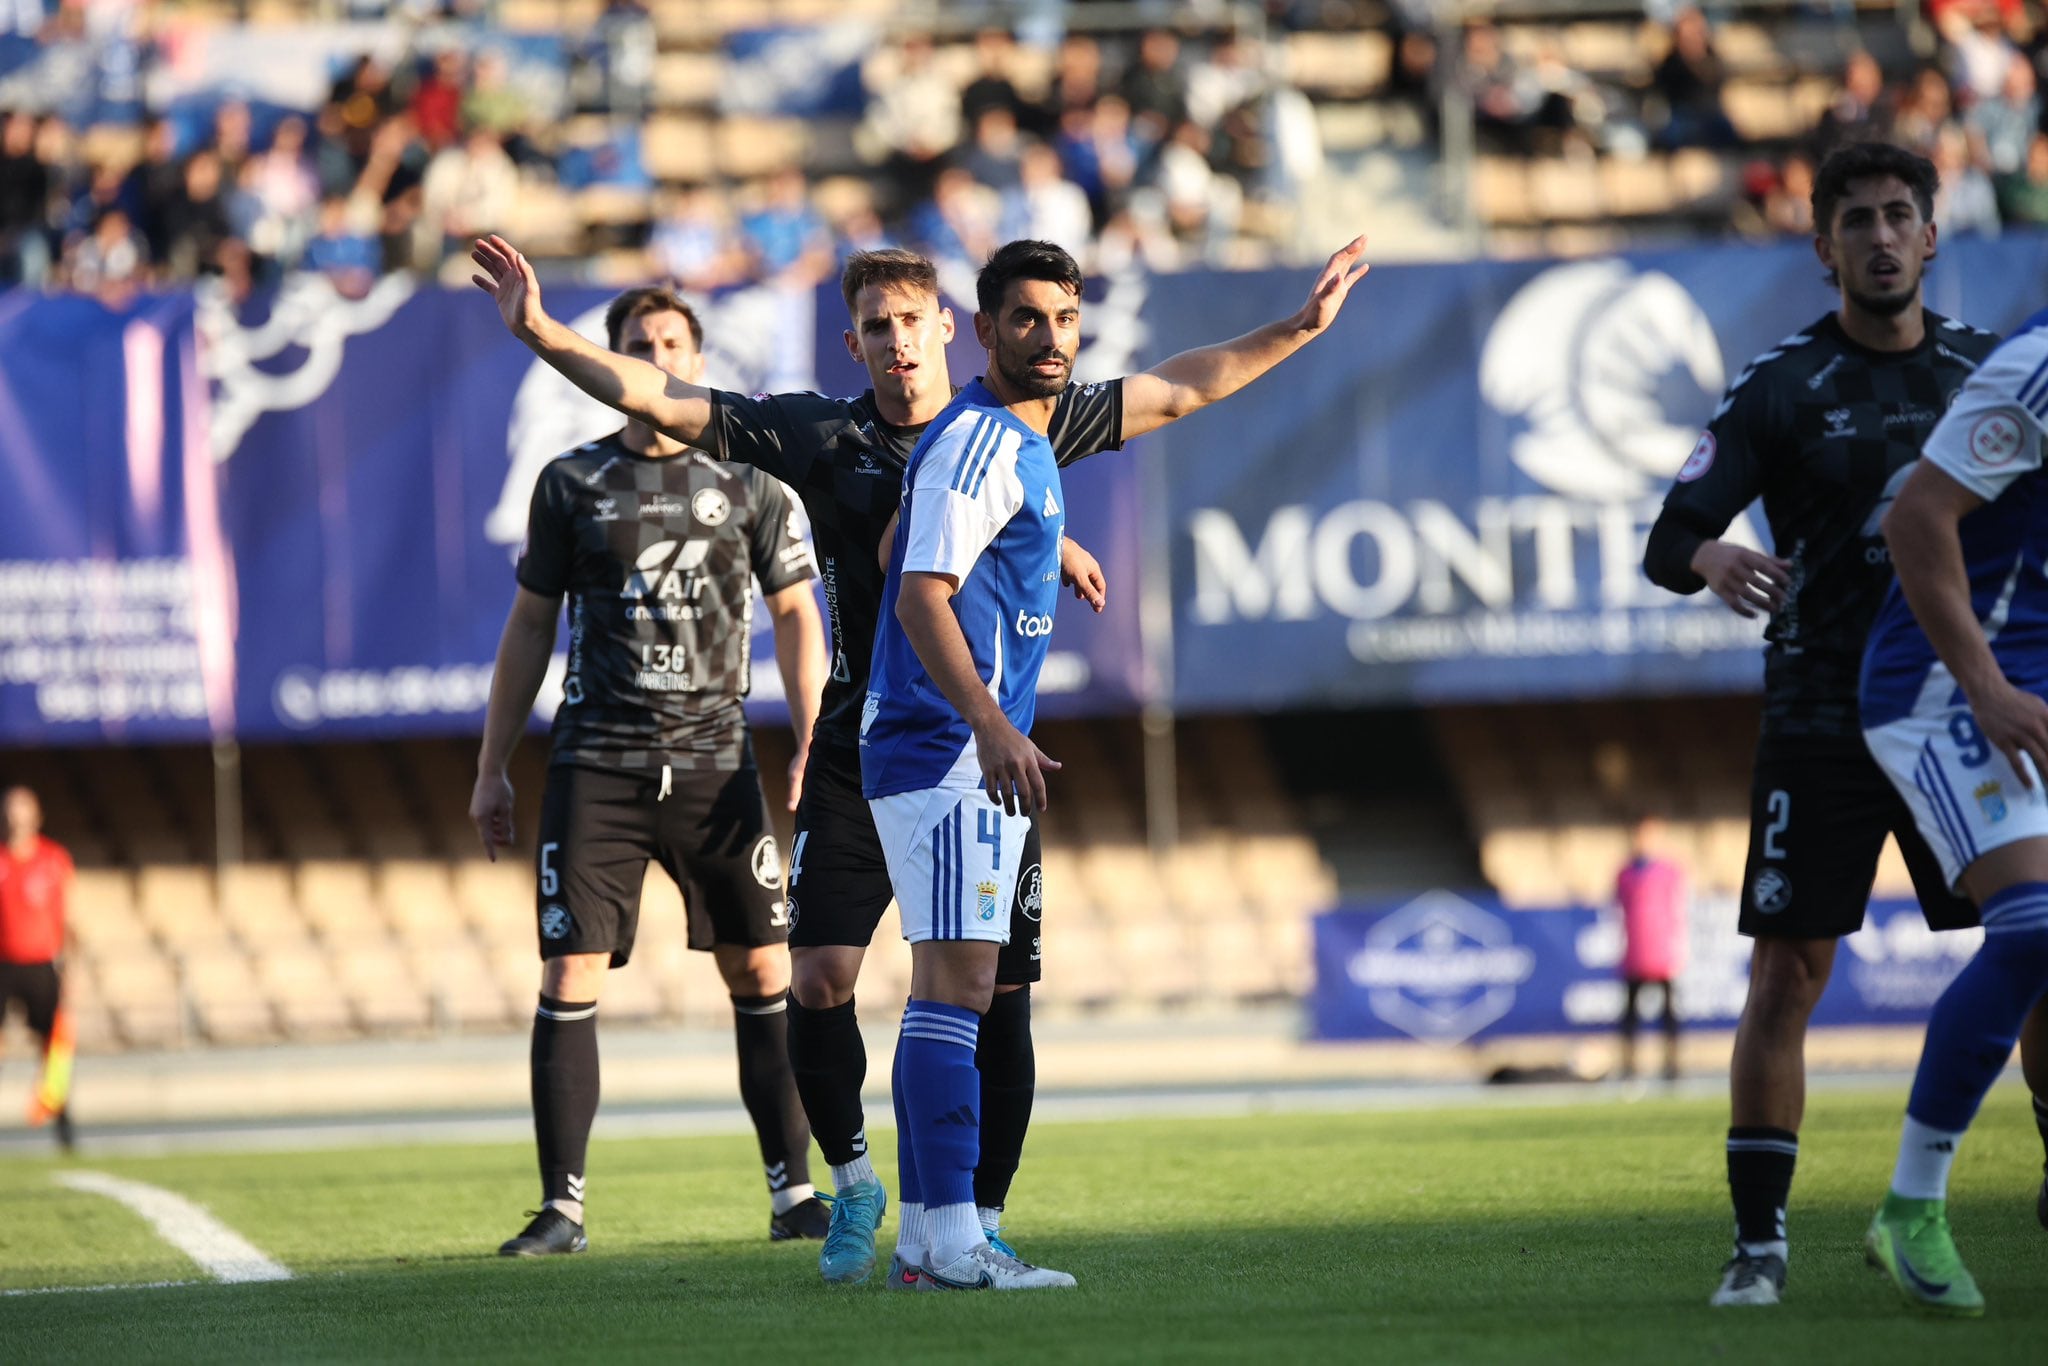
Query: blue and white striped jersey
{"type": "Point", "coordinates": [1990, 442]}
{"type": "Point", "coordinates": [982, 504]}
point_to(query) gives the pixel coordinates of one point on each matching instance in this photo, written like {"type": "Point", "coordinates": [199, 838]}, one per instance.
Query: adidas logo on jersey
{"type": "Point", "coordinates": [1052, 507]}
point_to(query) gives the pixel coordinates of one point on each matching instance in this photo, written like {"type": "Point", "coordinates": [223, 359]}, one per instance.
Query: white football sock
{"type": "Point", "coordinates": [954, 1229]}
{"type": "Point", "coordinates": [860, 1169]}
{"type": "Point", "coordinates": [991, 1217]}
{"type": "Point", "coordinates": [789, 1197]}
{"type": "Point", "coordinates": [910, 1234]}
{"type": "Point", "coordinates": [572, 1208]}
{"type": "Point", "coordinates": [1925, 1155]}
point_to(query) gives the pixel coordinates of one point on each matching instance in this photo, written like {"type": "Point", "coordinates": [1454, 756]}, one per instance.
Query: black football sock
{"type": "Point", "coordinates": [1009, 1081]}
{"type": "Point", "coordinates": [564, 1093]}
{"type": "Point", "coordinates": [830, 1061]}
{"type": "Point", "coordinates": [767, 1088]}
{"type": "Point", "coordinates": [1760, 1163]}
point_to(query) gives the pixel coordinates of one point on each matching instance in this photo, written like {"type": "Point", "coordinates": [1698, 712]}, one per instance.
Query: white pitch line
{"type": "Point", "coordinates": [96, 1289]}
{"type": "Point", "coordinates": [221, 1252]}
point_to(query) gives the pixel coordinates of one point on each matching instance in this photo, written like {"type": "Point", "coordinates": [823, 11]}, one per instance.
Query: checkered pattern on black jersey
{"type": "Point", "coordinates": [658, 559]}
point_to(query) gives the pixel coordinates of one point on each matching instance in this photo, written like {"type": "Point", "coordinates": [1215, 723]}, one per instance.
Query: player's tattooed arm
{"type": "Point", "coordinates": [1927, 555]}
{"type": "Point", "coordinates": [524, 649]}
{"type": "Point", "coordinates": [1191, 380]}
{"type": "Point", "coordinates": [1081, 572]}
{"type": "Point", "coordinates": [1012, 768]}
{"type": "Point", "coordinates": [800, 657]}
{"type": "Point", "coordinates": [633, 386]}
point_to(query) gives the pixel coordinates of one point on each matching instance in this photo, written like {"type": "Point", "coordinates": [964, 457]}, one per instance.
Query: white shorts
{"type": "Point", "coordinates": [1962, 791]}
{"type": "Point", "coordinates": [953, 859]}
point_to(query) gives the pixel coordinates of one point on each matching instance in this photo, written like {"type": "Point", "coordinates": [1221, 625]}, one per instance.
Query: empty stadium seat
{"type": "Point", "coordinates": [139, 987]}
{"type": "Point", "coordinates": [220, 987]}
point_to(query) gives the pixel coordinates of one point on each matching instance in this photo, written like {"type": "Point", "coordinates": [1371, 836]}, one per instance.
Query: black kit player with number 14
{"type": "Point", "coordinates": [1823, 427]}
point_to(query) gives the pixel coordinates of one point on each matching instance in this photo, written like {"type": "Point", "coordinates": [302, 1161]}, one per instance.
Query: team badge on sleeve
{"type": "Point", "coordinates": [1995, 439]}
{"type": "Point", "coordinates": [987, 891]}
{"type": "Point", "coordinates": [1700, 461]}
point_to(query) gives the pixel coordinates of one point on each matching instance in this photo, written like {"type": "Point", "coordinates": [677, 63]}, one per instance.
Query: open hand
{"type": "Point", "coordinates": [509, 279]}
{"type": "Point", "coordinates": [1327, 296]}
{"type": "Point", "coordinates": [1012, 768]}
{"type": "Point", "coordinates": [1747, 580]}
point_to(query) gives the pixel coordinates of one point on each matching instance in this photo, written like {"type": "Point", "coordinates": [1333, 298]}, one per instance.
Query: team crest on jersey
{"type": "Point", "coordinates": [1995, 439]}
{"type": "Point", "coordinates": [710, 507]}
{"type": "Point", "coordinates": [987, 892]}
{"type": "Point", "coordinates": [1033, 886]}
{"type": "Point", "coordinates": [1700, 461]}
{"type": "Point", "coordinates": [556, 922]}
{"type": "Point", "coordinates": [1991, 800]}
{"type": "Point", "coordinates": [767, 862]}
{"type": "Point", "coordinates": [1772, 893]}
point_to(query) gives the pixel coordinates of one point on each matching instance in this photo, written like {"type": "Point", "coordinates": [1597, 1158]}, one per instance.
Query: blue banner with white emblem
{"type": "Point", "coordinates": [1453, 967]}
{"type": "Point", "coordinates": [1447, 497]}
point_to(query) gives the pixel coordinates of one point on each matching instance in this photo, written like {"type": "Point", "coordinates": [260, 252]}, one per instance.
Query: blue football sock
{"type": "Point", "coordinates": [942, 1091]}
{"type": "Point", "coordinates": [1971, 1032]}
{"type": "Point", "coordinates": [908, 1192]}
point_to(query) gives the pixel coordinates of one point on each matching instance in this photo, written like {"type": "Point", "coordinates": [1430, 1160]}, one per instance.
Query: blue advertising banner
{"type": "Point", "coordinates": [1449, 967]}
{"type": "Point", "coordinates": [379, 455]}
{"type": "Point", "coordinates": [1446, 499]}
{"type": "Point", "coordinates": [116, 590]}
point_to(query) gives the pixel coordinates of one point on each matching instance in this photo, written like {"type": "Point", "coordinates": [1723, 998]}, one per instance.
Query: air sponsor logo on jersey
{"type": "Point", "coordinates": [710, 507]}
{"type": "Point", "coordinates": [665, 573]}
{"type": "Point", "coordinates": [1995, 439]}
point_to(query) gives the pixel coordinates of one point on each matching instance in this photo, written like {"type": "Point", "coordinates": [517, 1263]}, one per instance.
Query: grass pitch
{"type": "Point", "coordinates": [1531, 1234]}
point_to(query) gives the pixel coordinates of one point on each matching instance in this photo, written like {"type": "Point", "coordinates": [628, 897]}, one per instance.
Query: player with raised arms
{"type": "Point", "coordinates": [1955, 709]}
{"type": "Point", "coordinates": [845, 458]}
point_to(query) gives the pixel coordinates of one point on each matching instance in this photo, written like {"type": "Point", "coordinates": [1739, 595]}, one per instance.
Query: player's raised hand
{"type": "Point", "coordinates": [1327, 296]}
{"type": "Point", "coordinates": [1012, 768]}
{"type": "Point", "coordinates": [1082, 572]}
{"type": "Point", "coordinates": [508, 278]}
{"type": "Point", "coordinates": [2016, 721]}
{"type": "Point", "coordinates": [1747, 580]}
{"type": "Point", "coordinates": [490, 810]}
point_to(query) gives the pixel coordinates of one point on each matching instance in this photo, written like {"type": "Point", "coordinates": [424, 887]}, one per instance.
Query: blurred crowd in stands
{"type": "Point", "coordinates": [1153, 146]}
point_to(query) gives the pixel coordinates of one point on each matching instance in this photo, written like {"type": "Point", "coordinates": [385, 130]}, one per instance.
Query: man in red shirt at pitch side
{"type": "Point", "coordinates": [35, 881]}
{"type": "Point", "coordinates": [1652, 892]}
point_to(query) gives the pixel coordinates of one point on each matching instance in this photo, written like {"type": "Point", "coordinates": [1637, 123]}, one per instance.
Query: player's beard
{"type": "Point", "coordinates": [1889, 305]}
{"type": "Point", "coordinates": [1018, 373]}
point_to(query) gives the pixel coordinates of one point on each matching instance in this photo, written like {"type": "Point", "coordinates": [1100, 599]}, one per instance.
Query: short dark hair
{"type": "Point", "coordinates": [639, 303]}
{"type": "Point", "coordinates": [1865, 161]}
{"type": "Point", "coordinates": [1024, 259]}
{"type": "Point", "coordinates": [888, 266]}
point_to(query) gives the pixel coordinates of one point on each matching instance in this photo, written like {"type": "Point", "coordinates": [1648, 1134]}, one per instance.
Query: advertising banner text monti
{"type": "Point", "coordinates": [1447, 497]}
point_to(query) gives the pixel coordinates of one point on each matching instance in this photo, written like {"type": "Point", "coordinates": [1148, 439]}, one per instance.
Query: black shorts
{"type": "Point", "coordinates": [839, 885]}
{"type": "Point", "coordinates": [36, 986]}
{"type": "Point", "coordinates": [1819, 810]}
{"type": "Point", "coordinates": [598, 829]}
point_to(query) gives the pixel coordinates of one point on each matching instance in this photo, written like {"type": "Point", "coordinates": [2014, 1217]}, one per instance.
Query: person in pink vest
{"type": "Point", "coordinates": [1651, 890]}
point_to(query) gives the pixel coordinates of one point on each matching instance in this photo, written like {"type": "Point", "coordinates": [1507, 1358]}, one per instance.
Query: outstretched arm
{"type": "Point", "coordinates": [634, 387]}
{"type": "Point", "coordinates": [1194, 379]}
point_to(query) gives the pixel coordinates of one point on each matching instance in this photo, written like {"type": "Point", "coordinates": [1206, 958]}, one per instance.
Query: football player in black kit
{"type": "Point", "coordinates": [1823, 426]}
{"type": "Point", "coordinates": [845, 458]}
{"type": "Point", "coordinates": [657, 548]}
